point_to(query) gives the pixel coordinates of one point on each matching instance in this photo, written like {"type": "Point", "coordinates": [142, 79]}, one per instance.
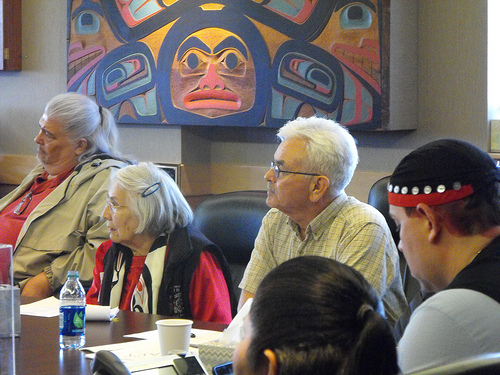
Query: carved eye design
{"type": "Point", "coordinates": [194, 62]}
{"type": "Point", "coordinates": [230, 61]}
{"type": "Point", "coordinates": [355, 16]}
{"type": "Point", "coordinates": [87, 23]}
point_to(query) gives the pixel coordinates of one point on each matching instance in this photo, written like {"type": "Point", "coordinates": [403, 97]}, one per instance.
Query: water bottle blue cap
{"type": "Point", "coordinates": [72, 273]}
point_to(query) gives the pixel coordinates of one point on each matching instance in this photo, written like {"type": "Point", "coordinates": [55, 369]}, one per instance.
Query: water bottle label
{"type": "Point", "coordinates": [72, 320]}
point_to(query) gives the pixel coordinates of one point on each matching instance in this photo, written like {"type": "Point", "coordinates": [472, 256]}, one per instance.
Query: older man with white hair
{"type": "Point", "coordinates": [311, 214]}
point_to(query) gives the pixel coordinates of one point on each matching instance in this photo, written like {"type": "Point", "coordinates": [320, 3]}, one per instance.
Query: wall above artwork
{"type": "Point", "coordinates": [234, 63]}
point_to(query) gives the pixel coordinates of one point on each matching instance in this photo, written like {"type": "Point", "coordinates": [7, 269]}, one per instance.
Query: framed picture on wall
{"type": "Point", "coordinates": [172, 170]}
{"type": "Point", "coordinates": [233, 63]}
{"type": "Point", "coordinates": [1, 31]}
{"type": "Point", "coordinates": [10, 35]}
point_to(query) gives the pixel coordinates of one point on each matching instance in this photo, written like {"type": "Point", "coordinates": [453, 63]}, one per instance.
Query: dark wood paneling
{"type": "Point", "coordinates": [12, 51]}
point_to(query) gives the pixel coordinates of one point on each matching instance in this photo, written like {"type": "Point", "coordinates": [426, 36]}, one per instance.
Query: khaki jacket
{"type": "Point", "coordinates": [65, 229]}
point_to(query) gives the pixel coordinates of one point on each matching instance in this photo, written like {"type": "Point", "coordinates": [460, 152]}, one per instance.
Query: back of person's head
{"type": "Point", "coordinates": [154, 197]}
{"type": "Point", "coordinates": [457, 179]}
{"type": "Point", "coordinates": [330, 149]}
{"type": "Point", "coordinates": [81, 118]}
{"type": "Point", "coordinates": [320, 316]}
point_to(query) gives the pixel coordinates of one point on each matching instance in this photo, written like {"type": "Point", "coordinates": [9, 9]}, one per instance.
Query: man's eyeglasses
{"type": "Point", "coordinates": [112, 206]}
{"type": "Point", "coordinates": [276, 171]}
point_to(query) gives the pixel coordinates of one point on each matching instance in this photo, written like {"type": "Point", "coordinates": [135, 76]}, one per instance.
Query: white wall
{"type": "Point", "coordinates": [23, 94]}
{"type": "Point", "coordinates": [452, 91]}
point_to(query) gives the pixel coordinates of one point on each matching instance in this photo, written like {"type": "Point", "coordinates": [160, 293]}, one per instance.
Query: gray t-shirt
{"type": "Point", "coordinates": [451, 325]}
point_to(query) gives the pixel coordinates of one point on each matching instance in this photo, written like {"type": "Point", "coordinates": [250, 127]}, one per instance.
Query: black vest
{"type": "Point", "coordinates": [483, 273]}
{"type": "Point", "coordinates": [184, 250]}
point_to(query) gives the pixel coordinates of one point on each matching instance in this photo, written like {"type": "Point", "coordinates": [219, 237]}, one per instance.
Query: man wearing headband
{"type": "Point", "coordinates": [312, 215]}
{"type": "Point", "coordinates": [445, 200]}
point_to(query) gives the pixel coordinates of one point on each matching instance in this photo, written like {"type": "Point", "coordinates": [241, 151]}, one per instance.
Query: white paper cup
{"type": "Point", "coordinates": [174, 335]}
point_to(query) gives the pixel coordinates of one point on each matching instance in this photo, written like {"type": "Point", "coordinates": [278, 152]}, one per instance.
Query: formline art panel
{"type": "Point", "coordinates": [249, 63]}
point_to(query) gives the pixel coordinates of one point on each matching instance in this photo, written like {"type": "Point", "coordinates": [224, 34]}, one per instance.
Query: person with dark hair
{"type": "Point", "coordinates": [445, 200]}
{"type": "Point", "coordinates": [312, 215]}
{"type": "Point", "coordinates": [314, 315]}
{"type": "Point", "coordinates": [52, 219]}
{"type": "Point", "coordinates": [155, 261]}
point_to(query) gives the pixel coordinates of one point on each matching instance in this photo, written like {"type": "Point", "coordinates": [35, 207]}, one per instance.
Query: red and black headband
{"type": "Point", "coordinates": [441, 172]}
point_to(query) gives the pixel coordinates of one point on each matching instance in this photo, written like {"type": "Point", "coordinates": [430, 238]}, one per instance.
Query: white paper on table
{"type": "Point", "coordinates": [129, 351]}
{"type": "Point", "coordinates": [102, 313]}
{"type": "Point", "coordinates": [200, 336]}
{"type": "Point", "coordinates": [148, 346]}
{"type": "Point", "coordinates": [49, 307]}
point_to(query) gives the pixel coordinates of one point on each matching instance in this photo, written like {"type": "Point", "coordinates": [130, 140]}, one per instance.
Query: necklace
{"type": "Point", "coordinates": [37, 187]}
{"type": "Point", "coordinates": [475, 255]}
{"type": "Point", "coordinates": [23, 205]}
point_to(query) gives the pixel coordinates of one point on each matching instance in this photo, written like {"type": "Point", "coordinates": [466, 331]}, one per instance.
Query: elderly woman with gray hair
{"type": "Point", "coordinates": [53, 218]}
{"type": "Point", "coordinates": [155, 261]}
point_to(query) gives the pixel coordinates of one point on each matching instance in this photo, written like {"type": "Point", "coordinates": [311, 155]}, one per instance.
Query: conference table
{"type": "Point", "coordinates": [37, 349]}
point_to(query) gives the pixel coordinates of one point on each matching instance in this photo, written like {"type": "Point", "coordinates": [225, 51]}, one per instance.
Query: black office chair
{"type": "Point", "coordinates": [485, 364]}
{"type": "Point", "coordinates": [377, 197]}
{"type": "Point", "coordinates": [232, 221]}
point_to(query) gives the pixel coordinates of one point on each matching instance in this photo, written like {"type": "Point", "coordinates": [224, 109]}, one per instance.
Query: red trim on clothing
{"type": "Point", "coordinates": [133, 277]}
{"type": "Point", "coordinates": [432, 199]}
{"type": "Point", "coordinates": [10, 222]}
{"type": "Point", "coordinates": [95, 288]}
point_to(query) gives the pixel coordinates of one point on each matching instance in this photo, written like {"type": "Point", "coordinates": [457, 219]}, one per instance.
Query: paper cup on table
{"type": "Point", "coordinates": [174, 335]}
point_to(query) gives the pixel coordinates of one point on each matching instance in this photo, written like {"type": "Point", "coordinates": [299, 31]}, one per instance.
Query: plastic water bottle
{"type": "Point", "coordinates": [72, 313]}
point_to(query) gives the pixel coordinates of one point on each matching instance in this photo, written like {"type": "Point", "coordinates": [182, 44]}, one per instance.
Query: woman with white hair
{"type": "Point", "coordinates": [53, 218]}
{"type": "Point", "coordinates": [155, 261]}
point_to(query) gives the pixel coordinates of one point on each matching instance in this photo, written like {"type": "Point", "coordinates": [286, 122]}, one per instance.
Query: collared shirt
{"type": "Point", "coordinates": [348, 231]}
{"type": "Point", "coordinates": [12, 218]}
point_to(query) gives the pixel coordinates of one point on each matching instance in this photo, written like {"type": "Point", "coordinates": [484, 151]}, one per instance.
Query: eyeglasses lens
{"type": "Point", "coordinates": [276, 169]}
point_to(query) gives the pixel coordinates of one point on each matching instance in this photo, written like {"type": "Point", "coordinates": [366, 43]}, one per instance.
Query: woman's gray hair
{"type": "Point", "coordinates": [330, 149]}
{"type": "Point", "coordinates": [154, 197]}
{"type": "Point", "coordinates": [81, 118]}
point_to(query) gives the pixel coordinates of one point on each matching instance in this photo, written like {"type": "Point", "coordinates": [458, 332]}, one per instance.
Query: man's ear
{"type": "Point", "coordinates": [81, 146]}
{"type": "Point", "coordinates": [319, 186]}
{"type": "Point", "coordinates": [434, 224]}
{"type": "Point", "coordinates": [272, 362]}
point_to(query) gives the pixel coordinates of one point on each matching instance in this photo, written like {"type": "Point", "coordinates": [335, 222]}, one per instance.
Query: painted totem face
{"type": "Point", "coordinates": [346, 89]}
{"type": "Point", "coordinates": [356, 44]}
{"type": "Point", "coordinates": [90, 40]}
{"type": "Point", "coordinates": [213, 74]}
